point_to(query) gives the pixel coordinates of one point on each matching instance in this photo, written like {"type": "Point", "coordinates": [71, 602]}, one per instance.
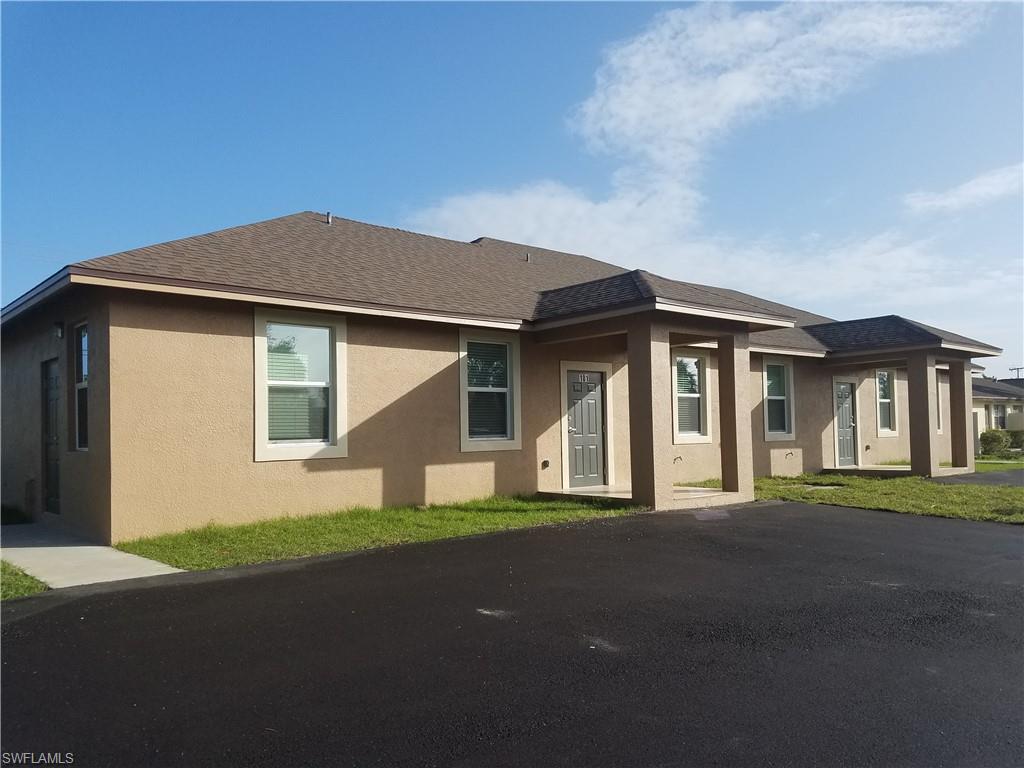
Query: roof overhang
{"type": "Point", "coordinates": [982, 350]}
{"type": "Point", "coordinates": [80, 276]}
{"type": "Point", "coordinates": [762, 349]}
{"type": "Point", "coordinates": [51, 285]}
{"type": "Point", "coordinates": [761, 322]}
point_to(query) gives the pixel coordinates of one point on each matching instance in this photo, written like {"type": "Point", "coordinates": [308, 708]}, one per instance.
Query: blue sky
{"type": "Point", "coordinates": [854, 160]}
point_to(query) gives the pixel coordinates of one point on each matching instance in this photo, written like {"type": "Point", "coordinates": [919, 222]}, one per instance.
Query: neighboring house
{"type": "Point", "coordinates": [994, 403]}
{"type": "Point", "coordinates": [305, 364]}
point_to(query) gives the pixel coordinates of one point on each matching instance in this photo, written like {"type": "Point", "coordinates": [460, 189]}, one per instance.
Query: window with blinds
{"type": "Point", "coordinates": [298, 383]}
{"type": "Point", "coordinates": [488, 392]}
{"type": "Point", "coordinates": [690, 395]}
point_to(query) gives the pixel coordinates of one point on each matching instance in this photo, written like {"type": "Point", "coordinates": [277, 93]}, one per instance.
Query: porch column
{"type": "Point", "coordinates": [922, 396]}
{"type": "Point", "coordinates": [734, 413]}
{"type": "Point", "coordinates": [961, 416]}
{"type": "Point", "coordinates": [650, 413]}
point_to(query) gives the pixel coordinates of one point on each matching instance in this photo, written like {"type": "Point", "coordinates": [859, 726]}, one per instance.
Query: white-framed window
{"type": "Point", "coordinates": [998, 416]}
{"type": "Point", "coordinates": [885, 386]}
{"type": "Point", "coordinates": [778, 399]}
{"type": "Point", "coordinates": [300, 385]}
{"type": "Point", "coordinates": [81, 342]}
{"type": "Point", "coordinates": [691, 412]}
{"type": "Point", "coordinates": [489, 383]}
{"type": "Point", "coordinates": [938, 405]}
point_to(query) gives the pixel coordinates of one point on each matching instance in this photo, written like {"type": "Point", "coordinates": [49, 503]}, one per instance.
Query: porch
{"type": "Point", "coordinates": [617, 381]}
{"type": "Point", "coordinates": [875, 416]}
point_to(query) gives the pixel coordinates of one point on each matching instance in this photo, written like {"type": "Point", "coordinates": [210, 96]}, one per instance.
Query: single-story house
{"type": "Point", "coordinates": [310, 363]}
{"type": "Point", "coordinates": [995, 402]}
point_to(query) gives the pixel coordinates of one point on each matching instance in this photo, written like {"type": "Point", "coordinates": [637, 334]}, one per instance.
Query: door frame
{"type": "Point", "coordinates": [564, 366]}
{"type": "Point", "coordinates": [855, 381]}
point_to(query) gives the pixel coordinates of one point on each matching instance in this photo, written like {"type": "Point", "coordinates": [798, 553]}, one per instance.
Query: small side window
{"type": "Point", "coordinates": [81, 339]}
{"type": "Point", "coordinates": [778, 399]}
{"type": "Point", "coordinates": [690, 405]}
{"type": "Point", "coordinates": [885, 381]}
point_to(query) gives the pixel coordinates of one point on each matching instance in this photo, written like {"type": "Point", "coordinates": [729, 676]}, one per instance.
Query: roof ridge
{"type": "Point", "coordinates": [644, 285]}
{"type": "Point", "coordinates": [478, 240]}
{"type": "Point", "coordinates": [425, 235]}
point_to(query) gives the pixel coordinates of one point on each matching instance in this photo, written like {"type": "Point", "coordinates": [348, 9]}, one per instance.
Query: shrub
{"type": "Point", "coordinates": [1017, 438]}
{"type": "Point", "coordinates": [994, 441]}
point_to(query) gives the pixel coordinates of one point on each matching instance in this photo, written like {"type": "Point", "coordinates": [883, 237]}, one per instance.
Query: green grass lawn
{"type": "Point", "coordinates": [217, 546]}
{"type": "Point", "coordinates": [14, 582]}
{"type": "Point", "coordinates": [910, 495]}
{"type": "Point", "coordinates": [997, 466]}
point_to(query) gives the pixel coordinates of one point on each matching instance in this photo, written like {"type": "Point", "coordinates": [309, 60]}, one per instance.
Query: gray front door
{"type": "Point", "coordinates": [585, 399]}
{"type": "Point", "coordinates": [846, 425]}
{"type": "Point", "coordinates": [51, 437]}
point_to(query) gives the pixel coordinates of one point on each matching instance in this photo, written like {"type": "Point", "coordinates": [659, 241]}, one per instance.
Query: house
{"type": "Point", "coordinates": [310, 363]}
{"type": "Point", "coordinates": [995, 402]}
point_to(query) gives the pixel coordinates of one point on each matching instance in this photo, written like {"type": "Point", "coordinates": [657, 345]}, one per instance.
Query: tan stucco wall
{"type": "Point", "coordinates": [179, 449]}
{"type": "Point", "coordinates": [813, 448]}
{"type": "Point", "coordinates": [183, 420]}
{"type": "Point", "coordinates": [28, 341]}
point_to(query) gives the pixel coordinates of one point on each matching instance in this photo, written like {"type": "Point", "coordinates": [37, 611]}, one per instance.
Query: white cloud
{"type": "Point", "coordinates": [664, 99]}
{"type": "Point", "coordinates": [981, 190]}
{"type": "Point", "coordinates": [663, 96]}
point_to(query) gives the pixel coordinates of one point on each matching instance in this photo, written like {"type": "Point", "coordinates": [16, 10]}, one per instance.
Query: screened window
{"type": "Point", "coordinates": [489, 375]}
{"type": "Point", "coordinates": [298, 382]}
{"type": "Point", "coordinates": [300, 386]}
{"type": "Point", "coordinates": [778, 399]}
{"type": "Point", "coordinates": [81, 340]}
{"type": "Point", "coordinates": [886, 383]}
{"type": "Point", "coordinates": [690, 405]}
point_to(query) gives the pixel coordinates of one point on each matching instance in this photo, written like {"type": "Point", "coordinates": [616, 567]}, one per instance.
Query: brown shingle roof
{"type": "Point", "coordinates": [348, 261]}
{"type": "Point", "coordinates": [639, 286]}
{"type": "Point", "coordinates": [882, 332]}
{"type": "Point", "coordinates": [356, 262]}
{"type": "Point", "coordinates": [996, 389]}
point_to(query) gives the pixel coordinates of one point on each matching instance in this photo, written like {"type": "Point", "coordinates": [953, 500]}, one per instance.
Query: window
{"type": "Point", "coordinates": [778, 399]}
{"type": "Point", "coordinates": [81, 339]}
{"type": "Point", "coordinates": [300, 386]}
{"type": "Point", "coordinates": [490, 402]}
{"type": "Point", "coordinates": [938, 406]}
{"type": "Point", "coordinates": [999, 417]}
{"type": "Point", "coordinates": [886, 385]}
{"type": "Point", "coordinates": [690, 404]}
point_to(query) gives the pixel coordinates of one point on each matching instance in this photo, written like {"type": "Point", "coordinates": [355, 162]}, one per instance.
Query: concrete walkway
{"type": "Point", "coordinates": [62, 560]}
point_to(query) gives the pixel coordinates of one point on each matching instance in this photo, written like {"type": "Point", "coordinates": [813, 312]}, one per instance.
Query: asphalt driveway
{"type": "Point", "coordinates": [775, 634]}
{"type": "Point", "coordinates": [1007, 477]}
